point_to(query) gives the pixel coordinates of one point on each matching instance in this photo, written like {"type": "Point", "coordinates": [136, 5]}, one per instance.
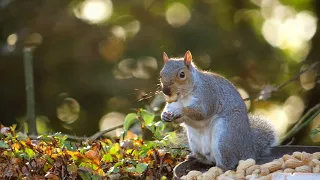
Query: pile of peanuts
{"type": "Point", "coordinates": [298, 162]}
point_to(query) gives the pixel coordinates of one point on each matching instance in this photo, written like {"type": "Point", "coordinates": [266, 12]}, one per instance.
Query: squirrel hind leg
{"type": "Point", "coordinates": [199, 158]}
{"type": "Point", "coordinates": [229, 162]}
{"type": "Point", "coordinates": [226, 157]}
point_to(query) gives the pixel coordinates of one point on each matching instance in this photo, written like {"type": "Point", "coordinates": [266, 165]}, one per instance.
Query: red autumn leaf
{"type": "Point", "coordinates": [15, 161]}
{"type": "Point", "coordinates": [93, 155]}
{"type": "Point", "coordinates": [29, 143]}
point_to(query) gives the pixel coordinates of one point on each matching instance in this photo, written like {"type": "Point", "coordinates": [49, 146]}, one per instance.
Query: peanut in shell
{"type": "Point", "coordinates": [273, 166]}
{"type": "Point", "coordinates": [193, 175]}
{"type": "Point", "coordinates": [289, 170]}
{"type": "Point", "coordinates": [246, 164]}
{"type": "Point", "coordinates": [250, 170]}
{"type": "Point", "coordinates": [264, 171]}
{"type": "Point", "coordinates": [315, 162]}
{"type": "Point", "coordinates": [240, 174]}
{"type": "Point", "coordinates": [297, 155]}
{"type": "Point", "coordinates": [287, 157]}
{"type": "Point", "coordinates": [303, 169]}
{"type": "Point", "coordinates": [316, 155]}
{"type": "Point", "coordinates": [291, 163]}
{"type": "Point", "coordinates": [316, 169]}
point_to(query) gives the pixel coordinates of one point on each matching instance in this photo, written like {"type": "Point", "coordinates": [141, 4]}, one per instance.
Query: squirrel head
{"type": "Point", "coordinates": [176, 76]}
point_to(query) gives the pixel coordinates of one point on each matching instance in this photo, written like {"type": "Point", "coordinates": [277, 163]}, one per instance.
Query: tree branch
{"type": "Point", "coordinates": [100, 133]}
{"type": "Point", "coordinates": [91, 138]}
{"type": "Point", "coordinates": [277, 88]}
{"type": "Point", "coordinates": [305, 120]}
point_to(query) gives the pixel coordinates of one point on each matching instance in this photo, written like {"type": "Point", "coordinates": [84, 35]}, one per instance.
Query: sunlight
{"type": "Point", "coordinates": [119, 32]}
{"type": "Point", "coordinates": [177, 15]}
{"type": "Point", "coordinates": [68, 111]}
{"type": "Point", "coordinates": [277, 116]}
{"type": "Point", "coordinates": [124, 69]}
{"type": "Point", "coordinates": [132, 28]}
{"type": "Point", "coordinates": [287, 29]}
{"type": "Point", "coordinates": [94, 11]}
{"type": "Point", "coordinates": [118, 103]}
{"type": "Point", "coordinates": [110, 120]}
{"type": "Point", "coordinates": [112, 48]}
{"type": "Point", "coordinates": [308, 79]}
{"type": "Point", "coordinates": [204, 60]}
{"type": "Point", "coordinates": [293, 107]}
{"type": "Point", "coordinates": [145, 66]}
{"type": "Point", "coordinates": [12, 39]}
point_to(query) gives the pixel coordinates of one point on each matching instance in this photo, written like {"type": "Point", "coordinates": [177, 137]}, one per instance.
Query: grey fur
{"type": "Point", "coordinates": [210, 105]}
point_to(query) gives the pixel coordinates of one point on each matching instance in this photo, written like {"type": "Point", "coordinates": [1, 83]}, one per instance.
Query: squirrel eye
{"type": "Point", "coordinates": [182, 75]}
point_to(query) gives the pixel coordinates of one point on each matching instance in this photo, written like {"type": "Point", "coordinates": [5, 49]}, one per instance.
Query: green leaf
{"type": "Point", "coordinates": [13, 127]}
{"type": "Point", "coordinates": [160, 125]}
{"type": "Point", "coordinates": [141, 167]}
{"type": "Point", "coordinates": [147, 117]}
{"type": "Point", "coordinates": [48, 158]}
{"type": "Point", "coordinates": [46, 167]}
{"type": "Point", "coordinates": [30, 152]}
{"type": "Point", "coordinates": [107, 158]}
{"type": "Point", "coordinates": [70, 146]}
{"type": "Point", "coordinates": [89, 165]}
{"type": "Point", "coordinates": [46, 138]}
{"type": "Point", "coordinates": [84, 175]}
{"type": "Point", "coordinates": [114, 149]}
{"type": "Point", "coordinates": [152, 128]}
{"type": "Point", "coordinates": [131, 169]}
{"type": "Point", "coordinates": [130, 118]}
{"type": "Point", "coordinates": [22, 136]}
{"type": "Point", "coordinates": [3, 145]}
{"type": "Point", "coordinates": [120, 163]}
{"type": "Point", "coordinates": [114, 170]}
{"type": "Point", "coordinates": [146, 147]}
{"type": "Point", "coordinates": [72, 168]}
{"type": "Point", "coordinates": [130, 161]}
{"type": "Point", "coordinates": [95, 177]}
{"type": "Point", "coordinates": [23, 155]}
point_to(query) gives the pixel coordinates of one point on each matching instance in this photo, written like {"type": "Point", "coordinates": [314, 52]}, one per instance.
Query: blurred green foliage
{"type": "Point", "coordinates": [95, 59]}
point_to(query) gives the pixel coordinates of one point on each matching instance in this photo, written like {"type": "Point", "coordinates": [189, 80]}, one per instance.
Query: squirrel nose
{"type": "Point", "coordinates": [166, 90]}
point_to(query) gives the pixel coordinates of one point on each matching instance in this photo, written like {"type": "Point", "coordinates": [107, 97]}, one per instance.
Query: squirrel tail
{"type": "Point", "coordinates": [264, 134]}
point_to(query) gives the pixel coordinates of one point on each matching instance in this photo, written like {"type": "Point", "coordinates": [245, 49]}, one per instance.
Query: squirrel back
{"type": "Point", "coordinates": [218, 126]}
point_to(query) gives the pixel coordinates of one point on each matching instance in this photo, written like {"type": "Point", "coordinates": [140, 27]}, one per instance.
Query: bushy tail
{"type": "Point", "coordinates": [263, 133]}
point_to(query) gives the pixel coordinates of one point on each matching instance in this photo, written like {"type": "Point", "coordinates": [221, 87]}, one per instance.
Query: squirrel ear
{"type": "Point", "coordinates": [188, 58]}
{"type": "Point", "coordinates": [165, 57]}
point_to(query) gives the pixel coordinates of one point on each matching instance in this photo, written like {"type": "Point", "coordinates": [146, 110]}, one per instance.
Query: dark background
{"type": "Point", "coordinates": [107, 66]}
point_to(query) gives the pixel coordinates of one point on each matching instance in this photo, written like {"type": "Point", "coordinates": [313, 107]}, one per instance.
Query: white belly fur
{"type": "Point", "coordinates": [205, 140]}
{"type": "Point", "coordinates": [203, 135]}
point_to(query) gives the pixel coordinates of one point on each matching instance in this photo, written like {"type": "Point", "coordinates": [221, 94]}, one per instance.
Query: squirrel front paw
{"type": "Point", "coordinates": [172, 111]}
{"type": "Point", "coordinates": [169, 116]}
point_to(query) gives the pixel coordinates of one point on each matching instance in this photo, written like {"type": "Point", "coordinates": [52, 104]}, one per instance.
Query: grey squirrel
{"type": "Point", "coordinates": [219, 129]}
